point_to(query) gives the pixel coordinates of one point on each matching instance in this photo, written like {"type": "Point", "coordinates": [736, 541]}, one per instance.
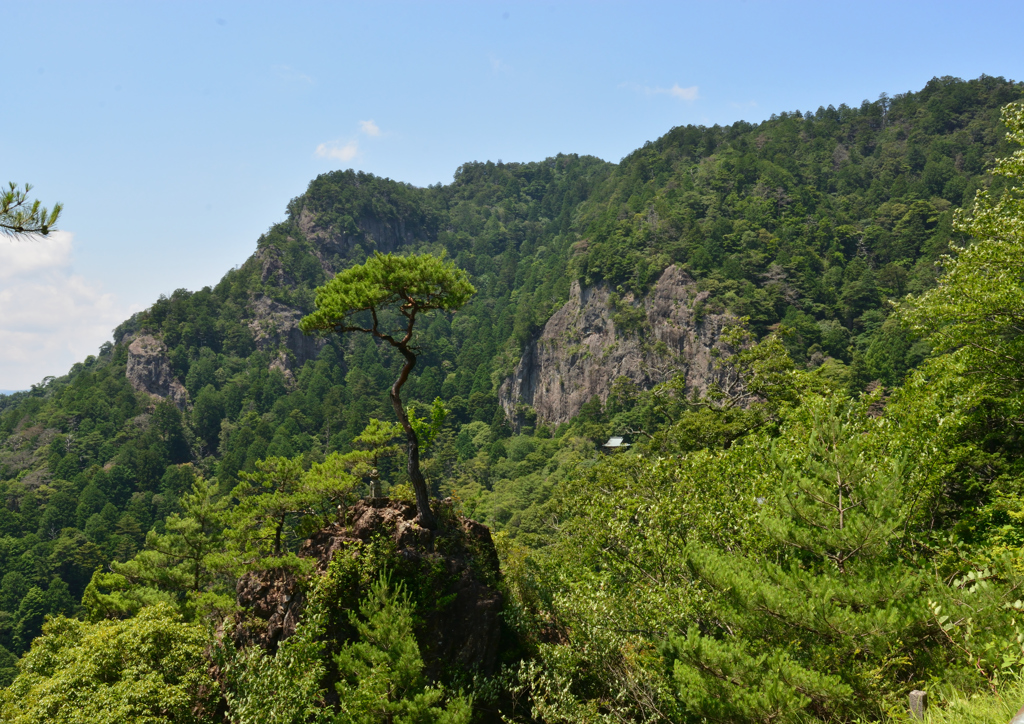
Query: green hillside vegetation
{"type": "Point", "coordinates": [844, 528]}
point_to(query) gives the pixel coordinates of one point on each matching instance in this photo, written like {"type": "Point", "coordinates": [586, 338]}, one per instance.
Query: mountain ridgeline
{"type": "Point", "coordinates": [611, 298]}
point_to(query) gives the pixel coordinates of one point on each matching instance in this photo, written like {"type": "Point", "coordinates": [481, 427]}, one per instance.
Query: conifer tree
{"type": "Point", "coordinates": [280, 503]}
{"type": "Point", "coordinates": [374, 445]}
{"type": "Point", "coordinates": [806, 630]}
{"type": "Point", "coordinates": [977, 308]}
{"type": "Point", "coordinates": [21, 217]}
{"type": "Point", "coordinates": [364, 299]}
{"type": "Point", "coordinates": [184, 564]}
{"type": "Point", "coordinates": [382, 678]}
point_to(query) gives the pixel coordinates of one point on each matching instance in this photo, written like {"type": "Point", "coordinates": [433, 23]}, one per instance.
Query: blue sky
{"type": "Point", "coordinates": [176, 132]}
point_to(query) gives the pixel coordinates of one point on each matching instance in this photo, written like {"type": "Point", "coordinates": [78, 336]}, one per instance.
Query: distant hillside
{"type": "Point", "coordinates": [808, 223]}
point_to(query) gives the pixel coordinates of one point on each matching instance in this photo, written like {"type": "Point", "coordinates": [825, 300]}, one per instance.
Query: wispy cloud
{"type": "Point", "coordinates": [676, 91]}
{"type": "Point", "coordinates": [686, 94]}
{"type": "Point", "coordinates": [289, 74]}
{"type": "Point", "coordinates": [50, 317]}
{"type": "Point", "coordinates": [23, 258]}
{"type": "Point", "coordinates": [337, 150]}
{"type": "Point", "coordinates": [498, 65]}
{"type": "Point", "coordinates": [346, 149]}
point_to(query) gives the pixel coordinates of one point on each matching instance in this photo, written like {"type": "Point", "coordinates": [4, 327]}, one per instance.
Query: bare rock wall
{"type": "Point", "coordinates": [149, 370]}
{"type": "Point", "coordinates": [275, 327]}
{"type": "Point", "coordinates": [581, 351]}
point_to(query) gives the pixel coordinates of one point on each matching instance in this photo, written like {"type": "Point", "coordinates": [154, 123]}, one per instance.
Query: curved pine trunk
{"type": "Point", "coordinates": [424, 516]}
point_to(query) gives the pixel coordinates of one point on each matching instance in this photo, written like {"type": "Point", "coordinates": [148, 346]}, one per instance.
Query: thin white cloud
{"type": "Point", "coordinates": [50, 317]}
{"type": "Point", "coordinates": [498, 65]}
{"type": "Point", "coordinates": [345, 149]}
{"type": "Point", "coordinates": [369, 128]}
{"type": "Point", "coordinates": [676, 91]}
{"type": "Point", "coordinates": [289, 74]}
{"type": "Point", "coordinates": [686, 94]}
{"type": "Point", "coordinates": [338, 151]}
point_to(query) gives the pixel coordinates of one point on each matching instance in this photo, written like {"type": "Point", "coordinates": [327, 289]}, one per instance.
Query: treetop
{"type": "Point", "coordinates": [412, 283]}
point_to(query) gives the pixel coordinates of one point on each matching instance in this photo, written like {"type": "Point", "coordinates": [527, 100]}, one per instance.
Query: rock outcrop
{"type": "Point", "coordinates": [465, 632]}
{"type": "Point", "coordinates": [582, 350]}
{"type": "Point", "coordinates": [384, 235]}
{"type": "Point", "coordinates": [149, 370]}
{"type": "Point", "coordinates": [275, 327]}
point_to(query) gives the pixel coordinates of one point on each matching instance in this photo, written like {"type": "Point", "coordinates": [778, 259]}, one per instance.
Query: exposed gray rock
{"type": "Point", "coordinates": [272, 268]}
{"type": "Point", "coordinates": [149, 370]}
{"type": "Point", "coordinates": [580, 352]}
{"type": "Point", "coordinates": [276, 326]}
{"type": "Point", "coordinates": [386, 236]}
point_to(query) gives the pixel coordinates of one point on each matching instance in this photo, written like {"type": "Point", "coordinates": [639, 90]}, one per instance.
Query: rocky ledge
{"type": "Point", "coordinates": [464, 631]}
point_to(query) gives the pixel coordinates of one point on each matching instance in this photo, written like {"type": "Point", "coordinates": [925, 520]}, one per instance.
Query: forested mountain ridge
{"type": "Point", "coordinates": [806, 224]}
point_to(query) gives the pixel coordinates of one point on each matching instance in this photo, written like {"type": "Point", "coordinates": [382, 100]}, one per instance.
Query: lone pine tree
{"type": "Point", "coordinates": [364, 299]}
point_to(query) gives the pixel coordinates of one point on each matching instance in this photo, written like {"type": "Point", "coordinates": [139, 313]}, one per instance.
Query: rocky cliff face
{"type": "Point", "coordinates": [590, 342]}
{"type": "Point", "coordinates": [149, 370]}
{"type": "Point", "coordinates": [275, 326]}
{"type": "Point", "coordinates": [386, 236]}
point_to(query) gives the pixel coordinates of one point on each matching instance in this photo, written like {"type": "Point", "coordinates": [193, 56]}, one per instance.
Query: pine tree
{"type": "Point", "coordinates": [829, 621]}
{"type": "Point", "coordinates": [382, 678]}
{"type": "Point", "coordinates": [184, 564]}
{"type": "Point", "coordinates": [21, 217]}
{"type": "Point", "coordinates": [280, 504]}
{"type": "Point", "coordinates": [364, 299]}
{"type": "Point", "coordinates": [373, 445]}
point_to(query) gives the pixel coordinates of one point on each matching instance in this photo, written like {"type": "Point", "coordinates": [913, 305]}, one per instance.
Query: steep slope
{"type": "Point", "coordinates": [808, 222]}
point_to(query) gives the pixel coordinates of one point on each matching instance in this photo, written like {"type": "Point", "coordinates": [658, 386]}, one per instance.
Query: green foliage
{"type": "Point", "coordinates": [381, 673]}
{"type": "Point", "coordinates": [947, 705]}
{"type": "Point", "coordinates": [150, 668]}
{"type": "Point", "coordinates": [374, 445]}
{"type": "Point", "coordinates": [882, 551]}
{"type": "Point", "coordinates": [834, 622]}
{"type": "Point", "coordinates": [21, 217]}
{"type": "Point", "coordinates": [376, 660]}
{"type": "Point", "coordinates": [412, 284]}
{"type": "Point", "coordinates": [976, 308]}
{"type": "Point", "coordinates": [427, 429]}
{"type": "Point", "coordinates": [280, 504]}
{"type": "Point", "coordinates": [284, 687]}
{"type": "Point", "coordinates": [185, 564]}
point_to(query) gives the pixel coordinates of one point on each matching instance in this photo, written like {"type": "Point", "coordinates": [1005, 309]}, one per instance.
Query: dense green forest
{"type": "Point", "coordinates": [839, 528]}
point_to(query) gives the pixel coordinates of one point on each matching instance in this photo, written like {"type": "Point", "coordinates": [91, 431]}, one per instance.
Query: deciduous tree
{"type": "Point", "coordinates": [977, 309]}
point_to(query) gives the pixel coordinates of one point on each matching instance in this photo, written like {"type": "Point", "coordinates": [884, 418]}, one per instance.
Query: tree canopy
{"type": "Point", "coordinates": [384, 284]}
{"type": "Point", "coordinates": [977, 308]}
{"type": "Point", "coordinates": [410, 284]}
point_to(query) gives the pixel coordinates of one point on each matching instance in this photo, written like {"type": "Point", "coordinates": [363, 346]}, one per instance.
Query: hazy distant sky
{"type": "Point", "coordinates": [176, 132]}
